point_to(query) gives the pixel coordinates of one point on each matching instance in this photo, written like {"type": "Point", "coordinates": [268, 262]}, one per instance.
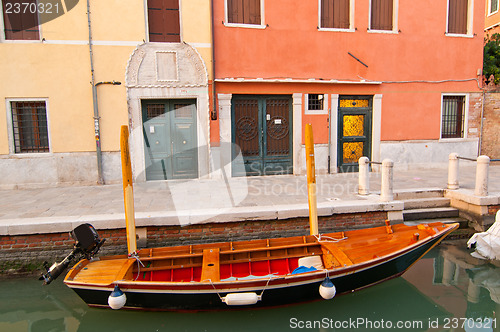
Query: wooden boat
{"type": "Point", "coordinates": [253, 273]}
{"type": "Point", "coordinates": [261, 271]}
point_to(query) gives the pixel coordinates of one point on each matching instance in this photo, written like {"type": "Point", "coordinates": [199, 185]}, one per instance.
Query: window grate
{"type": "Point", "coordinates": [155, 110]}
{"type": "Point", "coordinates": [453, 117]}
{"type": "Point", "coordinates": [315, 102]}
{"type": "Point", "coordinates": [29, 124]}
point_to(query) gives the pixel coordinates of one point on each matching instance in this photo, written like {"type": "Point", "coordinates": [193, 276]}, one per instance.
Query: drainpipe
{"type": "Point", "coordinates": [214, 108]}
{"type": "Point", "coordinates": [97, 130]}
{"type": "Point", "coordinates": [482, 123]}
{"type": "Point", "coordinates": [329, 137]}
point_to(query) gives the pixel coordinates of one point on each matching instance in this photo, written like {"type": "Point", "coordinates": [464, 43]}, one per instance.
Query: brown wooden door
{"type": "Point", "coordinates": [262, 131]}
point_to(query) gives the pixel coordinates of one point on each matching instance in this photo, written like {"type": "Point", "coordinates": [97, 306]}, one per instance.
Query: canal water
{"type": "Point", "coordinates": [447, 290]}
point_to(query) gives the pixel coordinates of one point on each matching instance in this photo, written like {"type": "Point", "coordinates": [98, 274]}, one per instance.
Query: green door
{"type": "Point", "coordinates": [170, 140]}
{"type": "Point", "coordinates": [262, 132]}
{"type": "Point", "coordinates": [354, 131]}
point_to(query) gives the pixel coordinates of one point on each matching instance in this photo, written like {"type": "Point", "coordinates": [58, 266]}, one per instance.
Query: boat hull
{"type": "Point", "coordinates": [275, 291]}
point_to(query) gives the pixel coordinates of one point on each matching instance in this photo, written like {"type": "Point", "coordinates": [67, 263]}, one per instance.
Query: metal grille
{"type": "Point", "coordinates": [453, 117]}
{"type": "Point", "coordinates": [278, 142]}
{"type": "Point", "coordinates": [352, 151]}
{"type": "Point", "coordinates": [354, 103]}
{"type": "Point", "coordinates": [315, 102]}
{"type": "Point", "coordinates": [154, 110]}
{"type": "Point", "coordinates": [29, 124]}
{"type": "Point", "coordinates": [353, 125]}
{"type": "Point", "coordinates": [381, 15]}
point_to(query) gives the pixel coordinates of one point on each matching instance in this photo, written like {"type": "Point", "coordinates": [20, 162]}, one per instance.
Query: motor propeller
{"type": "Point", "coordinates": [87, 244]}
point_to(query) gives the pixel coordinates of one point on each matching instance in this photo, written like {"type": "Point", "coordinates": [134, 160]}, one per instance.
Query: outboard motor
{"type": "Point", "coordinates": [87, 245]}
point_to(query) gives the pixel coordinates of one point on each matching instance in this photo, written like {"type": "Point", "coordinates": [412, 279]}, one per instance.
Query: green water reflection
{"type": "Point", "coordinates": [445, 287]}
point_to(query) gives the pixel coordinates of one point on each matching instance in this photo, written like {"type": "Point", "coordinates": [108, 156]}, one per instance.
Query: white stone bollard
{"type": "Point", "coordinates": [364, 176]}
{"type": "Point", "coordinates": [386, 190]}
{"type": "Point", "coordinates": [453, 171]}
{"type": "Point", "coordinates": [483, 163]}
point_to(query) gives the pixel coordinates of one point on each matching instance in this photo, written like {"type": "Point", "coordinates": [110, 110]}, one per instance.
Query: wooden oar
{"type": "Point", "coordinates": [128, 191]}
{"type": "Point", "coordinates": [311, 181]}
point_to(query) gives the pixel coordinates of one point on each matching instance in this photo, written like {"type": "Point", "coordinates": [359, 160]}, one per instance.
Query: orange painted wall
{"type": "Point", "coordinates": [292, 47]}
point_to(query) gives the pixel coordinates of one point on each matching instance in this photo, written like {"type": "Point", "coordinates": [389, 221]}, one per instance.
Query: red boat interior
{"type": "Point", "coordinates": [237, 270]}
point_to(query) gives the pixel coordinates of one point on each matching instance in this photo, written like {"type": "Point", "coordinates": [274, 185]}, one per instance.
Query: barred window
{"type": "Point", "coordinates": [243, 12]}
{"type": "Point", "coordinates": [315, 102]}
{"type": "Point", "coordinates": [29, 124]}
{"type": "Point", "coordinates": [453, 117]}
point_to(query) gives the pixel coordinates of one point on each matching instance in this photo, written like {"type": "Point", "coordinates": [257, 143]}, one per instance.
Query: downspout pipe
{"type": "Point", "coordinates": [214, 107]}
{"type": "Point", "coordinates": [97, 130]}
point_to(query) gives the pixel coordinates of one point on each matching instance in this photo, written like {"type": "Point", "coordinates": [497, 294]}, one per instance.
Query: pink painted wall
{"type": "Point", "coordinates": [292, 47]}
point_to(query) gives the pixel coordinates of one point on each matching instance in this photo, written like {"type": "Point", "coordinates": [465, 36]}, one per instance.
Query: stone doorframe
{"type": "Point", "coordinates": [166, 71]}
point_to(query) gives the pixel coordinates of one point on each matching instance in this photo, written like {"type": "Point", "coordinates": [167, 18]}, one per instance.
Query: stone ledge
{"type": "Point", "coordinates": [467, 195]}
{"type": "Point", "coordinates": [47, 225]}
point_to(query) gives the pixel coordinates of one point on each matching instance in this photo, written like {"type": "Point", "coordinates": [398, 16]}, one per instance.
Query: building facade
{"type": "Point", "coordinates": [63, 101]}
{"type": "Point", "coordinates": [492, 18]}
{"type": "Point", "coordinates": [381, 78]}
{"type": "Point", "coordinates": [378, 78]}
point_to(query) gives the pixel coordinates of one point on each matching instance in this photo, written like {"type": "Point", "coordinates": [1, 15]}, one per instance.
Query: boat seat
{"type": "Point", "coordinates": [210, 266]}
{"type": "Point", "coordinates": [333, 256]}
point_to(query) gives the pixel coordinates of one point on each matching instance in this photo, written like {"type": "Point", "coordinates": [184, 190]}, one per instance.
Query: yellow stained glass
{"type": "Point", "coordinates": [353, 103]}
{"type": "Point", "coordinates": [352, 152]}
{"type": "Point", "coordinates": [354, 125]}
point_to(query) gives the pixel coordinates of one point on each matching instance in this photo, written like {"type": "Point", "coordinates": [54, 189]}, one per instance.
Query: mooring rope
{"type": "Point", "coordinates": [322, 238]}
{"type": "Point", "coordinates": [139, 263]}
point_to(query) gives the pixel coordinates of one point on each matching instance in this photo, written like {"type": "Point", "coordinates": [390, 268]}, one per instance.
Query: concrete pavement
{"type": "Point", "coordinates": [60, 209]}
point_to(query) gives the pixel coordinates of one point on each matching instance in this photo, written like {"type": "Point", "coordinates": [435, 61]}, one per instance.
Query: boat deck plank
{"type": "Point", "coordinates": [102, 271]}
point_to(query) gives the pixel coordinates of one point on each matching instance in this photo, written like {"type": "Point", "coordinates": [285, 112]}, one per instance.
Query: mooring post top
{"type": "Point", "coordinates": [453, 155]}
{"type": "Point", "coordinates": [387, 162]}
{"type": "Point", "coordinates": [483, 159]}
{"type": "Point", "coordinates": [364, 160]}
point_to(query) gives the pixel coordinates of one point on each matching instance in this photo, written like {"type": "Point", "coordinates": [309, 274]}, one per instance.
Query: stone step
{"type": "Point", "coordinates": [406, 194]}
{"type": "Point", "coordinates": [422, 203]}
{"type": "Point", "coordinates": [430, 213]}
{"type": "Point", "coordinates": [464, 223]}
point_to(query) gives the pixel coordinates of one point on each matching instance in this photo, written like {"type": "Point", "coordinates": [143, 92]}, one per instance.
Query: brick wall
{"type": "Point", "coordinates": [491, 126]}
{"type": "Point", "coordinates": [493, 209]}
{"type": "Point", "coordinates": [39, 247]}
{"type": "Point", "coordinates": [474, 118]}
